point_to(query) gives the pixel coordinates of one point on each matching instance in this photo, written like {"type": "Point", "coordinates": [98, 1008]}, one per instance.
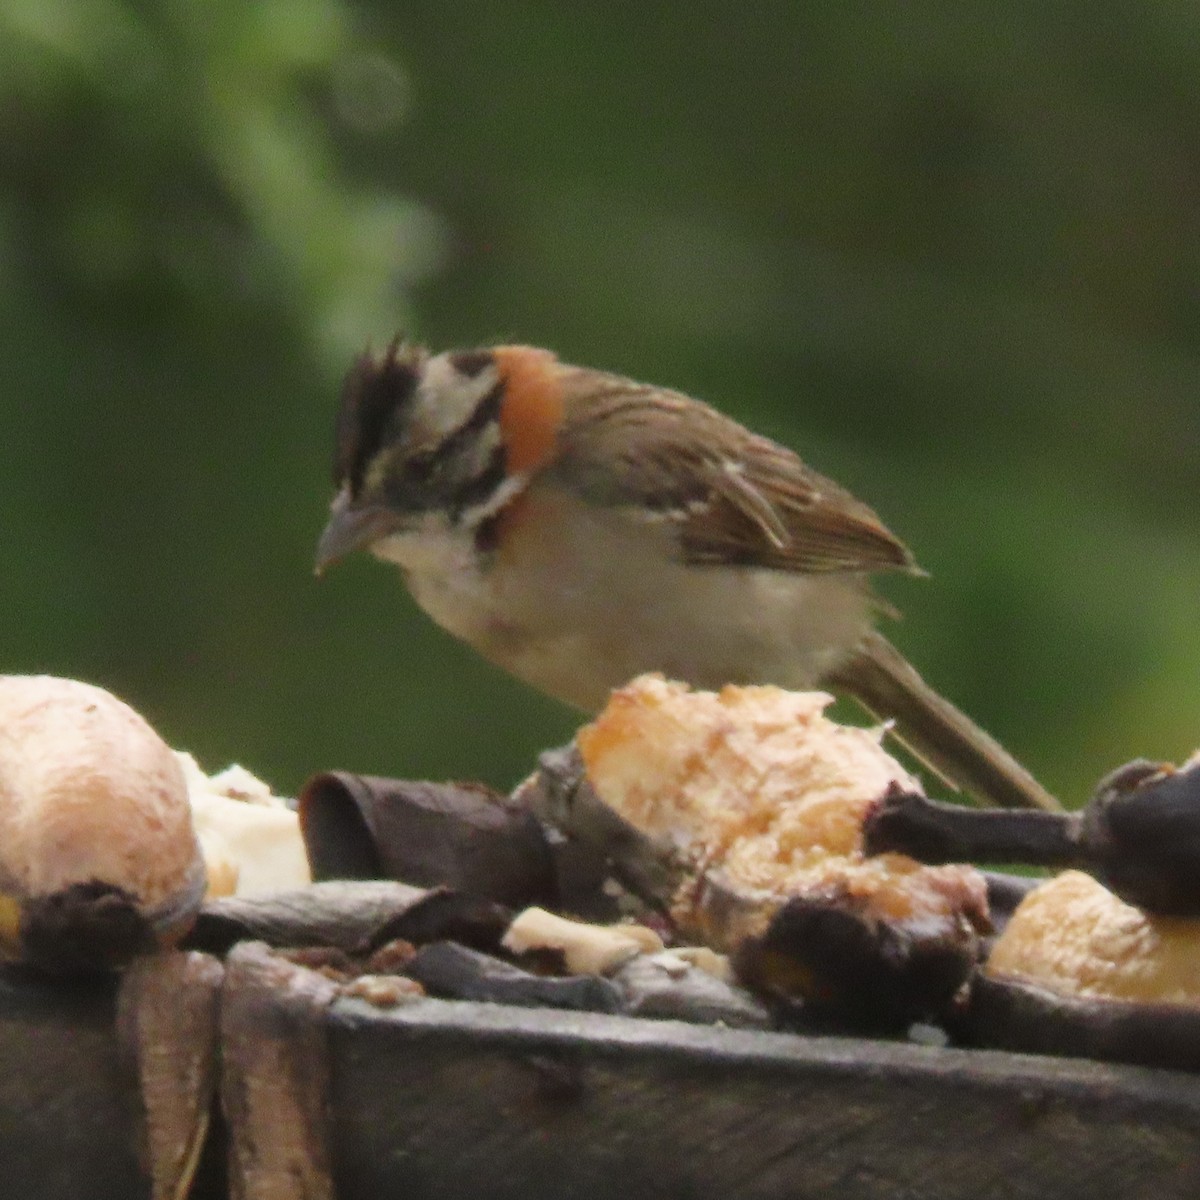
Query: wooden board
{"type": "Point", "coordinates": [66, 1119]}
{"type": "Point", "coordinates": [446, 1099]}
{"type": "Point", "coordinates": [454, 1099]}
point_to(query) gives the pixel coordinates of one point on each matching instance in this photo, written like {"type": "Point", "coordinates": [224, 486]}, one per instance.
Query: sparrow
{"type": "Point", "coordinates": [578, 529]}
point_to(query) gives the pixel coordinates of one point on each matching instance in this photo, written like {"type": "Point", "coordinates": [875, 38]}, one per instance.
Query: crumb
{"type": "Point", "coordinates": [329, 961]}
{"type": "Point", "coordinates": [383, 991]}
{"type": "Point", "coordinates": [391, 958]}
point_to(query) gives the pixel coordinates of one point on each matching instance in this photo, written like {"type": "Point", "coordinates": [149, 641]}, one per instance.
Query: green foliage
{"type": "Point", "coordinates": [182, 151]}
{"type": "Point", "coordinates": [949, 252]}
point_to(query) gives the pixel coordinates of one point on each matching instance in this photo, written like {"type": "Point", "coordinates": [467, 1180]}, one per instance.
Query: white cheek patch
{"type": "Point", "coordinates": [446, 399]}
{"type": "Point", "coordinates": [432, 548]}
{"type": "Point", "coordinates": [487, 443]}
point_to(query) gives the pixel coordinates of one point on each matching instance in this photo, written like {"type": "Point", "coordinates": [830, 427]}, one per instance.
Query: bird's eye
{"type": "Point", "coordinates": [421, 467]}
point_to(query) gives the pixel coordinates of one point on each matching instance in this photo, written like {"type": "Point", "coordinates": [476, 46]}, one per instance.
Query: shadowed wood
{"type": "Point", "coordinates": [167, 1015]}
{"type": "Point", "coordinates": [439, 1099]}
{"type": "Point", "coordinates": [67, 1107]}
{"type": "Point", "coordinates": [275, 1067]}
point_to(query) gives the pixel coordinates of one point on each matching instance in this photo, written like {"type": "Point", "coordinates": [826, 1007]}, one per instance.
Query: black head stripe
{"type": "Point", "coordinates": [373, 391]}
{"type": "Point", "coordinates": [474, 489]}
{"type": "Point", "coordinates": [480, 488]}
{"type": "Point", "coordinates": [472, 362]}
{"type": "Point", "coordinates": [486, 411]}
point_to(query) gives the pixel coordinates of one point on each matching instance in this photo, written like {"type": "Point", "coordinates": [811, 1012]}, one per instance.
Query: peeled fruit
{"type": "Point", "coordinates": [98, 857]}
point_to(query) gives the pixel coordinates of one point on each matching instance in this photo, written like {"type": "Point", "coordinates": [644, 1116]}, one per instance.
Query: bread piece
{"type": "Point", "coordinates": [765, 796]}
{"type": "Point", "coordinates": [740, 814]}
{"type": "Point", "coordinates": [98, 856]}
{"type": "Point", "coordinates": [1073, 936]}
{"type": "Point", "coordinates": [88, 791]}
{"type": "Point", "coordinates": [251, 838]}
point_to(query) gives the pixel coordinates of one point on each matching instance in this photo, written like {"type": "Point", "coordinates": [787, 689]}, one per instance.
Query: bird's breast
{"type": "Point", "coordinates": [578, 600]}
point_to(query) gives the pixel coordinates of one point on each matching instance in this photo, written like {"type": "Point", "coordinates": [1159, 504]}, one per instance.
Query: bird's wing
{"type": "Point", "coordinates": [732, 497]}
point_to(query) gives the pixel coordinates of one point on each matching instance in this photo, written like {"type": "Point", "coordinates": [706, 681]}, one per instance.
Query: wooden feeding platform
{"type": "Point", "coordinates": [326, 1095]}
{"type": "Point", "coordinates": [595, 987]}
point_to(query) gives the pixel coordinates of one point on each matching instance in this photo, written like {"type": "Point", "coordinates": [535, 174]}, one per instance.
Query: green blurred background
{"type": "Point", "coordinates": [950, 252]}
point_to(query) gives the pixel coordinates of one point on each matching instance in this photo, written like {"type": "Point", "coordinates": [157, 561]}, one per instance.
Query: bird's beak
{"type": "Point", "coordinates": [351, 527]}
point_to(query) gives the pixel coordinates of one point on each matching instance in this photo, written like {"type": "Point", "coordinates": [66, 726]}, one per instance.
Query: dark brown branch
{"type": "Point", "coordinates": [344, 914]}
{"type": "Point", "coordinates": [458, 835]}
{"type": "Point", "coordinates": [934, 832]}
{"type": "Point", "coordinates": [1139, 835]}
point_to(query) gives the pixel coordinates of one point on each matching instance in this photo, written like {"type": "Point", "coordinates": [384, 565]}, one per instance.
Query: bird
{"type": "Point", "coordinates": [578, 528]}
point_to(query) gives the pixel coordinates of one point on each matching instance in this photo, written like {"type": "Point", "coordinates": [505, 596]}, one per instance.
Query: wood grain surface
{"type": "Point", "coordinates": [450, 1100]}
{"type": "Point", "coordinates": [437, 1099]}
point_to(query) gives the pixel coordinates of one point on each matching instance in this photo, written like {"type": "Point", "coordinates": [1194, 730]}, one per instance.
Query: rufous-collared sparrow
{"type": "Point", "coordinates": [578, 529]}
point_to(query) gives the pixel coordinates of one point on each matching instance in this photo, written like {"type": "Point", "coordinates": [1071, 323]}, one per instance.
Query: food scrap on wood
{"type": "Point", "coordinates": [99, 860]}
{"type": "Point", "coordinates": [731, 858]}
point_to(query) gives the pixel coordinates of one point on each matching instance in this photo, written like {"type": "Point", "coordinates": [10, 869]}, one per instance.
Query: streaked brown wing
{"type": "Point", "coordinates": [733, 497]}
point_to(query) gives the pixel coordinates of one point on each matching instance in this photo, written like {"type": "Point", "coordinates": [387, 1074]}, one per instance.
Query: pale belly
{"type": "Point", "coordinates": [579, 615]}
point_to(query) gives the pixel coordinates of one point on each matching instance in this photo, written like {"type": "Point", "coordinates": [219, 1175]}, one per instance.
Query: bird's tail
{"type": "Point", "coordinates": [881, 679]}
